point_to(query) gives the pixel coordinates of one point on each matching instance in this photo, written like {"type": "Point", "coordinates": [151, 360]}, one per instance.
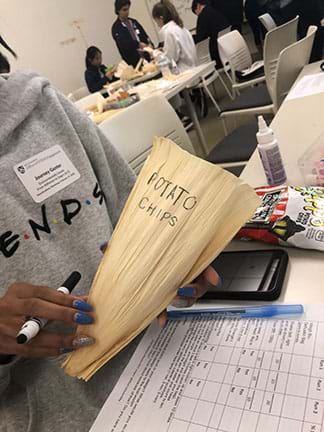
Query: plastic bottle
{"type": "Point", "coordinates": [270, 154]}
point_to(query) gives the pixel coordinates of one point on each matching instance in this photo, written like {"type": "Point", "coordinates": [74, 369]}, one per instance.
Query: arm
{"type": "Point", "coordinates": [202, 30]}
{"type": "Point", "coordinates": [172, 47]}
{"type": "Point", "coordinates": [92, 84]}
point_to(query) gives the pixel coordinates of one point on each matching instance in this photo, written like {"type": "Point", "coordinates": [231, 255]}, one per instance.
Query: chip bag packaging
{"type": "Point", "coordinates": [179, 216]}
{"type": "Point", "coordinates": [288, 216]}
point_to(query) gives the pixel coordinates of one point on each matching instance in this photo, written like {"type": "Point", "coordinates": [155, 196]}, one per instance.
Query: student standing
{"type": "Point", "coordinates": [96, 74]}
{"type": "Point", "coordinates": [253, 9]}
{"type": "Point", "coordinates": [209, 23]}
{"type": "Point", "coordinates": [178, 45]}
{"type": "Point", "coordinates": [128, 33]}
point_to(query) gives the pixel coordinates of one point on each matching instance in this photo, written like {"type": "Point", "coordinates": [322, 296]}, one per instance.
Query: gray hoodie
{"type": "Point", "coordinates": [42, 243]}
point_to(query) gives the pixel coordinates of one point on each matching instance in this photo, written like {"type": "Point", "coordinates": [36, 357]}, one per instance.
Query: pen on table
{"type": "Point", "coordinates": [34, 324]}
{"type": "Point", "coordinates": [239, 312]}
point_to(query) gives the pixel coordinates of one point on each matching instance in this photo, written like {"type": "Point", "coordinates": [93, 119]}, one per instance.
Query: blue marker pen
{"type": "Point", "coordinates": [239, 312]}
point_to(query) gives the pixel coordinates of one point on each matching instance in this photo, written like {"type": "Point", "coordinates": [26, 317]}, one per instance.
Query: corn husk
{"type": "Point", "coordinates": [150, 68]}
{"type": "Point", "coordinates": [179, 216]}
{"type": "Point", "coordinates": [127, 72]}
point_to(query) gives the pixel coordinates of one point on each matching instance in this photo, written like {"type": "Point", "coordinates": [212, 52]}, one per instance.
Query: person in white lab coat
{"type": "Point", "coordinates": [178, 45]}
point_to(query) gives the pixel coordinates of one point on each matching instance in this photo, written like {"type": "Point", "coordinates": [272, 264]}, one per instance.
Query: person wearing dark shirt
{"type": "Point", "coordinates": [232, 10]}
{"type": "Point", "coordinates": [96, 74]}
{"type": "Point", "coordinates": [209, 23]}
{"type": "Point", "coordinates": [129, 35]}
{"type": "Point", "coordinates": [311, 12]}
{"type": "Point", "coordinates": [253, 9]}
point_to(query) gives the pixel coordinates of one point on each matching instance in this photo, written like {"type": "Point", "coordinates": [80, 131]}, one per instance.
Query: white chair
{"type": "Point", "coordinates": [277, 40]}
{"type": "Point", "coordinates": [203, 55]}
{"type": "Point", "coordinates": [236, 57]}
{"type": "Point", "coordinates": [258, 100]}
{"type": "Point", "coordinates": [87, 101]}
{"type": "Point", "coordinates": [225, 31]}
{"type": "Point", "coordinates": [267, 21]}
{"type": "Point", "coordinates": [132, 131]}
{"type": "Point", "coordinates": [80, 93]}
{"type": "Point", "coordinates": [291, 61]}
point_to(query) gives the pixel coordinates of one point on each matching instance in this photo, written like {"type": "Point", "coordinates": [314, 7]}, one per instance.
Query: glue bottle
{"type": "Point", "coordinates": [270, 154]}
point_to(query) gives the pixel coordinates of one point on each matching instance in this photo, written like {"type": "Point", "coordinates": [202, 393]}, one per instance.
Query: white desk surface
{"type": "Point", "coordinates": [144, 78]}
{"type": "Point", "coordinates": [296, 125]}
{"type": "Point", "coordinates": [183, 81]}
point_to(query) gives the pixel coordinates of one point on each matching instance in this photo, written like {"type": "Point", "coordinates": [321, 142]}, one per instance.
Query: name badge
{"type": "Point", "coordinates": [46, 173]}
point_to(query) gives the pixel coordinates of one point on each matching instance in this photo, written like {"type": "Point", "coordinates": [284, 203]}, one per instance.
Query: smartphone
{"type": "Point", "coordinates": [250, 275]}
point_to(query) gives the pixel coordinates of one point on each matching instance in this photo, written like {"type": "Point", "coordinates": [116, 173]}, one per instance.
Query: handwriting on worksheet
{"type": "Point", "coordinates": [222, 375]}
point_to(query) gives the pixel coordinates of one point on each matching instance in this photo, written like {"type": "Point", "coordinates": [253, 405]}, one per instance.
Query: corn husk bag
{"type": "Point", "coordinates": [179, 216]}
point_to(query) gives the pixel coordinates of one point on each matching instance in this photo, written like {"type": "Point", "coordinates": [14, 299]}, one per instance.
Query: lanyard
{"type": "Point", "coordinates": [131, 30]}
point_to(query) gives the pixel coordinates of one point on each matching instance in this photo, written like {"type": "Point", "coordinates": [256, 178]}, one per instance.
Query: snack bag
{"type": "Point", "coordinates": [288, 216]}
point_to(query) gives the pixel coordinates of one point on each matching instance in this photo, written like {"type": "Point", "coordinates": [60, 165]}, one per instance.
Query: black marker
{"type": "Point", "coordinates": [34, 324]}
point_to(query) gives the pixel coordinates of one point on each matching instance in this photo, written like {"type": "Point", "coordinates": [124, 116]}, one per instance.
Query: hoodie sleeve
{"type": "Point", "coordinates": [116, 178]}
{"type": "Point", "coordinates": [6, 363]}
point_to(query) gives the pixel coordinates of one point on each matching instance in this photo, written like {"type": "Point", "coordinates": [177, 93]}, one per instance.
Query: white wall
{"type": "Point", "coordinates": [141, 12]}
{"type": "Point", "coordinates": [36, 30]}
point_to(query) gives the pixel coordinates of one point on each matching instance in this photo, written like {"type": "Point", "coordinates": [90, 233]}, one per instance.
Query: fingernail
{"type": "Point", "coordinates": [220, 282]}
{"type": "Point", "coordinates": [180, 303]}
{"type": "Point", "coordinates": [66, 350]}
{"type": "Point", "coordinates": [186, 292]}
{"type": "Point", "coordinates": [82, 305]}
{"type": "Point", "coordinates": [82, 318]}
{"type": "Point", "coordinates": [83, 341]}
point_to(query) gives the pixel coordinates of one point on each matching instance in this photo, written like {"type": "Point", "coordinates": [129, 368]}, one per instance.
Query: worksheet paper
{"type": "Point", "coordinates": [308, 85]}
{"type": "Point", "coordinates": [208, 375]}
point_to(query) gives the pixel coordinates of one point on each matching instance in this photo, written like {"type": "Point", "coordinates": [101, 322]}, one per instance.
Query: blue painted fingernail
{"type": "Point", "coordinates": [82, 318]}
{"type": "Point", "coordinates": [186, 292]}
{"type": "Point", "coordinates": [82, 305]}
{"type": "Point", "coordinates": [220, 282]}
{"type": "Point", "coordinates": [66, 350]}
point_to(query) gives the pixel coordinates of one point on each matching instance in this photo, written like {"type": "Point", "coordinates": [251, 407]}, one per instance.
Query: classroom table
{"type": "Point", "coordinates": [144, 78]}
{"type": "Point", "coordinates": [183, 84]}
{"type": "Point", "coordinates": [296, 125]}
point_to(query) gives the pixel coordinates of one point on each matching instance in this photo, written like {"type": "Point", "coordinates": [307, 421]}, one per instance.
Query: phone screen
{"type": "Point", "coordinates": [245, 271]}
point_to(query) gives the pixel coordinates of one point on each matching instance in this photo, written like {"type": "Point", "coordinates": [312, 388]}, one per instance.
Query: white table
{"type": "Point", "coordinates": [144, 78]}
{"type": "Point", "coordinates": [296, 125]}
{"type": "Point", "coordinates": [183, 84]}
